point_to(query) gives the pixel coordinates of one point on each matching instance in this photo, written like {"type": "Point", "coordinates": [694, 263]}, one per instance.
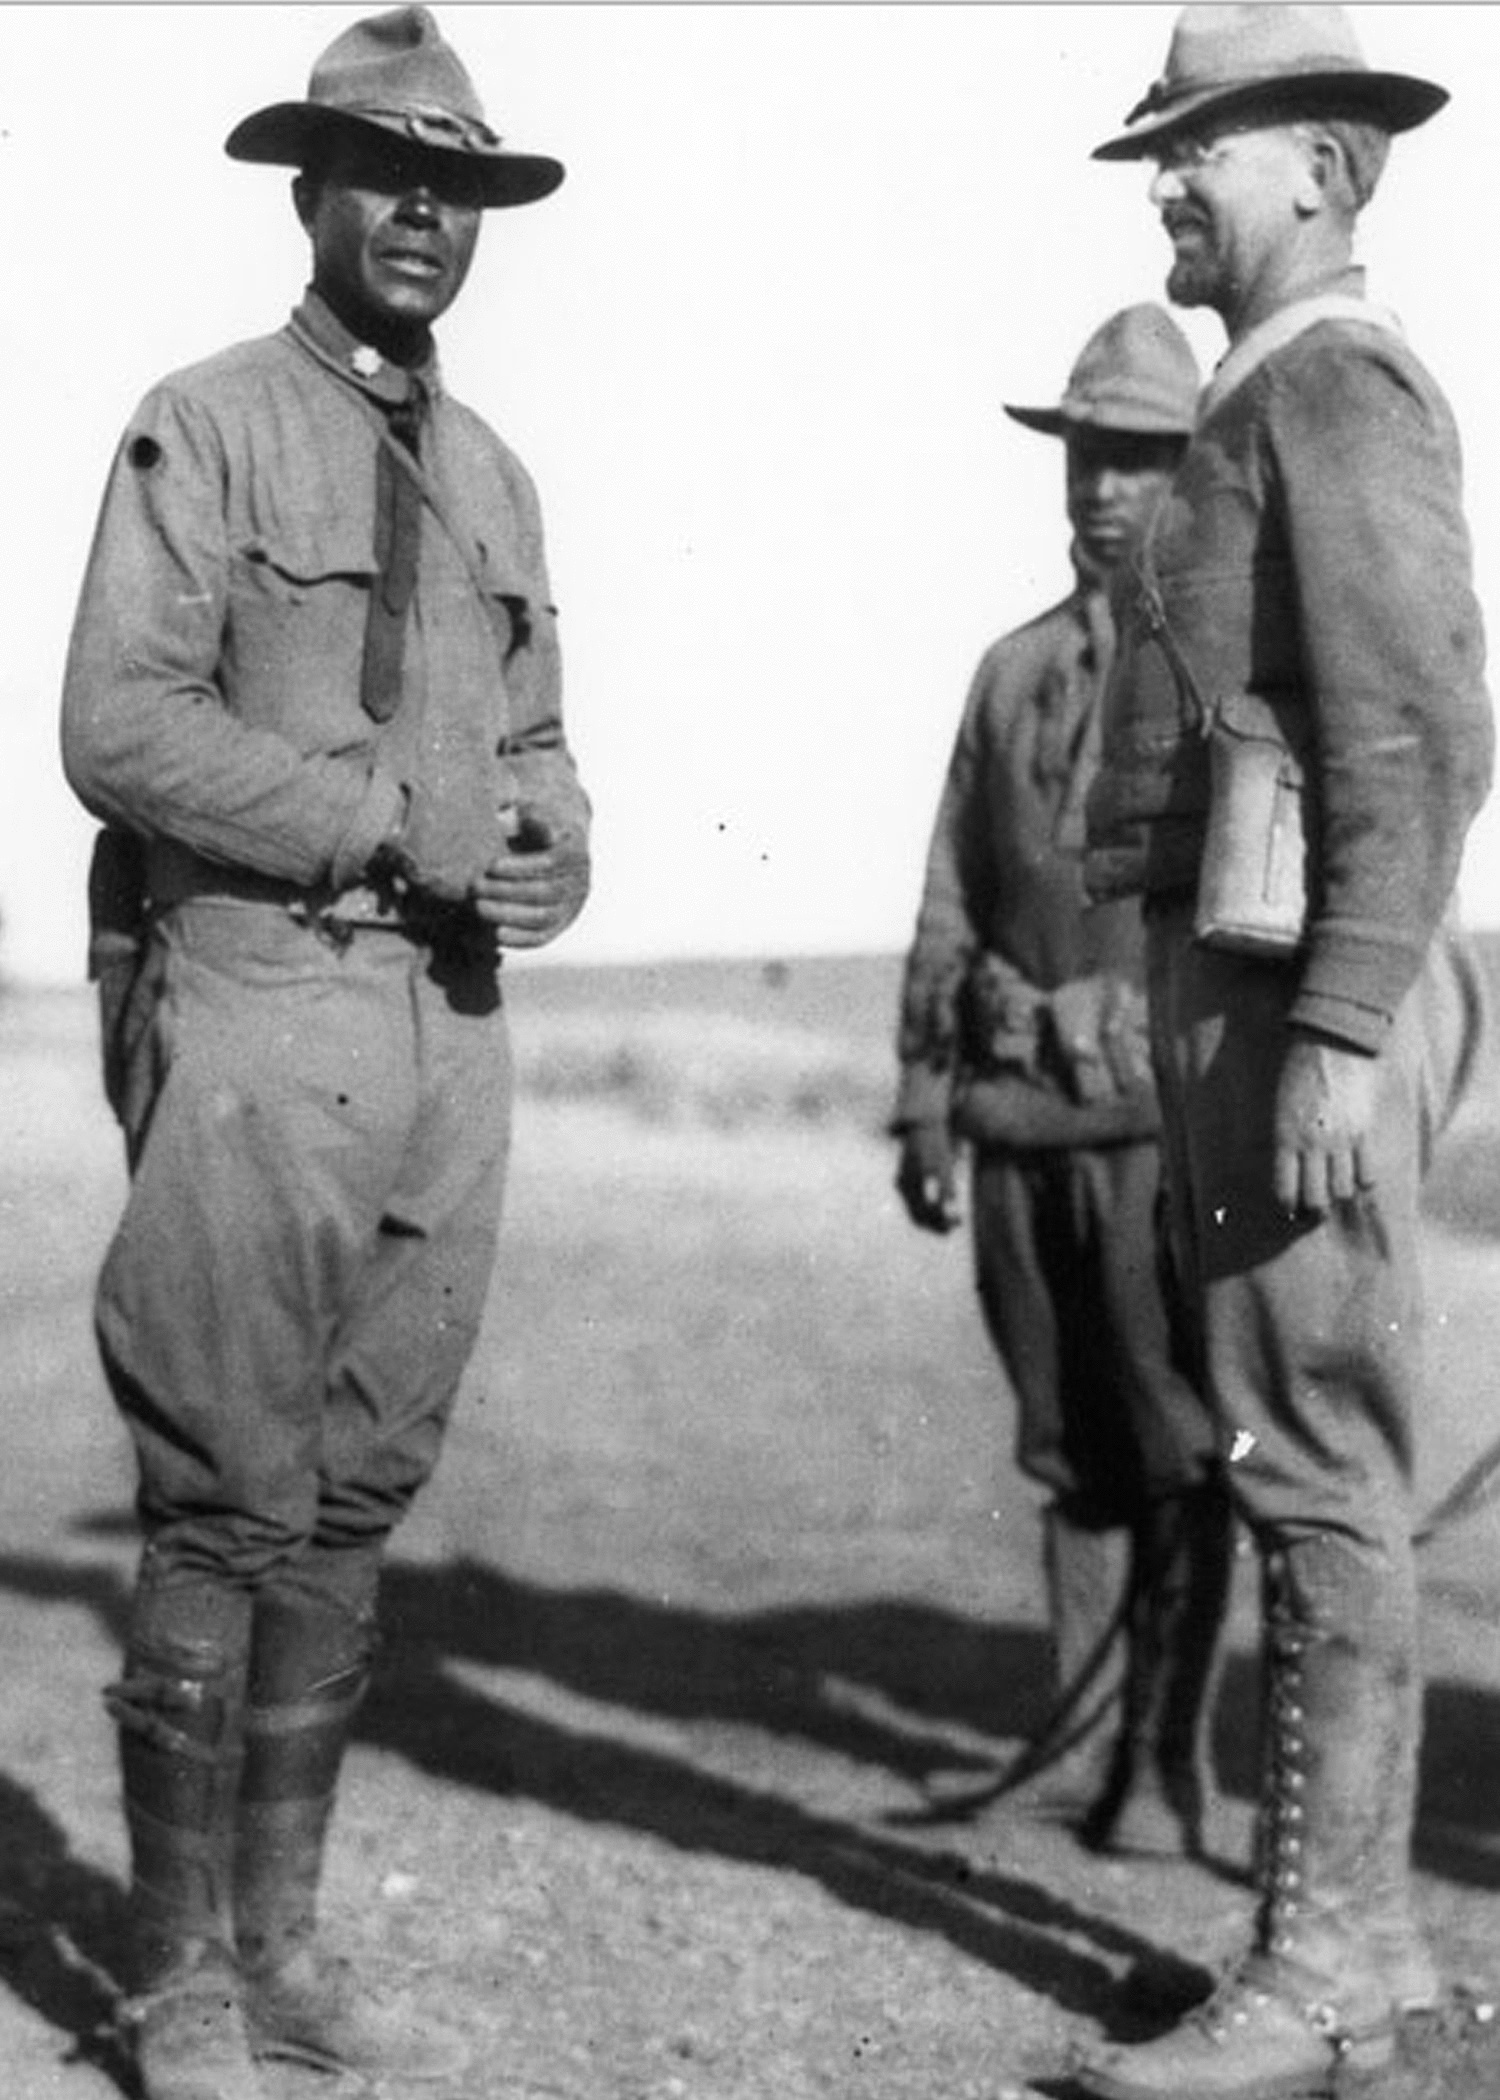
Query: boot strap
{"type": "Point", "coordinates": [326, 1705]}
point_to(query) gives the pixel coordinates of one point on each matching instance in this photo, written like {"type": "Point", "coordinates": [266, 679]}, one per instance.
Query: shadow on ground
{"type": "Point", "coordinates": [769, 1671]}
{"type": "Point", "coordinates": [881, 1684]}
{"type": "Point", "coordinates": [62, 1922]}
{"type": "Point", "coordinates": [912, 1671]}
{"type": "Point", "coordinates": [62, 1933]}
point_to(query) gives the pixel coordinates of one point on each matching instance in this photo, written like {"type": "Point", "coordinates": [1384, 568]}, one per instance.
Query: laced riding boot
{"type": "Point", "coordinates": [310, 1666]}
{"type": "Point", "coordinates": [1155, 1800]}
{"type": "Point", "coordinates": [1406, 1956]}
{"type": "Point", "coordinates": [1315, 1998]}
{"type": "Point", "coordinates": [179, 1707]}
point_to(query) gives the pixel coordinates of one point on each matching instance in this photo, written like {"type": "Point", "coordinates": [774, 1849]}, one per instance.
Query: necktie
{"type": "Point", "coordinates": [398, 537]}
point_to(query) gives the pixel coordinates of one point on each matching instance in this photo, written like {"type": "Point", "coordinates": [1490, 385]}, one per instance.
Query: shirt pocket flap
{"type": "Point", "coordinates": [313, 550]}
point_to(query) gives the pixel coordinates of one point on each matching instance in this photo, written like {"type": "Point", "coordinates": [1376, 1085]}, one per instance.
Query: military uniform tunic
{"type": "Point", "coordinates": [297, 1282]}
{"type": "Point", "coordinates": [1064, 1189]}
{"type": "Point", "coordinates": [1311, 554]}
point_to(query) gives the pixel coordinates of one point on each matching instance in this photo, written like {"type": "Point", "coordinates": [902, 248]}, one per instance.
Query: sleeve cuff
{"type": "Point", "coordinates": [923, 1096]}
{"type": "Point", "coordinates": [1356, 1027]}
{"type": "Point", "coordinates": [375, 821]}
{"type": "Point", "coordinates": [1353, 983]}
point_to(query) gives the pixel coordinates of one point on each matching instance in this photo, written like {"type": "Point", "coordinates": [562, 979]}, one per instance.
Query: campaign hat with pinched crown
{"type": "Point", "coordinates": [1136, 374]}
{"type": "Point", "coordinates": [1231, 62]}
{"type": "Point", "coordinates": [394, 72]}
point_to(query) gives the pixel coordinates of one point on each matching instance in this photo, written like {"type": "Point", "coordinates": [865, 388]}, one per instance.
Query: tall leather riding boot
{"type": "Point", "coordinates": [1086, 1570]}
{"type": "Point", "coordinates": [179, 1706]}
{"type": "Point", "coordinates": [1156, 1796]}
{"type": "Point", "coordinates": [310, 1665]}
{"type": "Point", "coordinates": [1315, 1998]}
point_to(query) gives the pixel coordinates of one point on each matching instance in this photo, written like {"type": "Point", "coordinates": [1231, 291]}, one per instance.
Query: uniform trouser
{"type": "Point", "coordinates": [1067, 1257]}
{"type": "Point", "coordinates": [297, 1282]}
{"type": "Point", "coordinates": [1308, 1328]}
{"type": "Point", "coordinates": [1310, 1339]}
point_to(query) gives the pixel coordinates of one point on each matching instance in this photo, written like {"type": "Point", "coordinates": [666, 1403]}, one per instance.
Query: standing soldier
{"type": "Point", "coordinates": [313, 690]}
{"type": "Point", "coordinates": [1296, 740]}
{"type": "Point", "coordinates": [1023, 1031]}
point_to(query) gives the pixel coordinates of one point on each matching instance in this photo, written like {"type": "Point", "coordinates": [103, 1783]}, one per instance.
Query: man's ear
{"type": "Point", "coordinates": [1320, 173]}
{"type": "Point", "coordinates": [304, 199]}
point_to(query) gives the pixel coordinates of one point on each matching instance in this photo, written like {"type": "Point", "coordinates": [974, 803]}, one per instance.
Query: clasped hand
{"type": "Point", "coordinates": [537, 885]}
{"type": "Point", "coordinates": [516, 869]}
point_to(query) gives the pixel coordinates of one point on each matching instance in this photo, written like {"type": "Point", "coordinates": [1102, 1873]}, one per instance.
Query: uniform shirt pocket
{"type": "Point", "coordinates": [299, 597]}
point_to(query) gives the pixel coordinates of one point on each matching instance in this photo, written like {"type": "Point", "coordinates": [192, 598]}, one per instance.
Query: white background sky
{"type": "Point", "coordinates": [754, 351]}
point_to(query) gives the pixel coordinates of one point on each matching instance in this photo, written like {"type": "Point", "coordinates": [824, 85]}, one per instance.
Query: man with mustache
{"type": "Point", "coordinates": [313, 695]}
{"type": "Point", "coordinates": [1023, 1034]}
{"type": "Point", "coordinates": [1296, 739]}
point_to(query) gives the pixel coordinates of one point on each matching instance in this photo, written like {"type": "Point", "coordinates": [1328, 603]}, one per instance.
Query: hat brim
{"type": "Point", "coordinates": [1049, 421]}
{"type": "Point", "coordinates": [287, 134]}
{"type": "Point", "coordinates": [1057, 422]}
{"type": "Point", "coordinates": [1396, 101]}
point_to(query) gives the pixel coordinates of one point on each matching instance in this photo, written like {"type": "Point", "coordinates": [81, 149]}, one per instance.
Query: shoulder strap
{"type": "Point", "coordinates": [435, 501]}
{"type": "Point", "coordinates": [1153, 613]}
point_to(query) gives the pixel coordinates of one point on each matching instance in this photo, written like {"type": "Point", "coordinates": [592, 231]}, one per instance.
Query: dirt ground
{"type": "Point", "coordinates": [725, 1579]}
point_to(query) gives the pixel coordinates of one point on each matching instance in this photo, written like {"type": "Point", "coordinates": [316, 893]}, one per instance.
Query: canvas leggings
{"type": "Point", "coordinates": [297, 1282]}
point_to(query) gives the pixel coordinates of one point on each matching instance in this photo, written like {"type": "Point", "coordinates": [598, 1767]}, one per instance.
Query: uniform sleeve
{"type": "Point", "coordinates": [147, 740]}
{"type": "Point", "coordinates": [536, 745]}
{"type": "Point", "coordinates": [950, 920]}
{"type": "Point", "coordinates": [1393, 646]}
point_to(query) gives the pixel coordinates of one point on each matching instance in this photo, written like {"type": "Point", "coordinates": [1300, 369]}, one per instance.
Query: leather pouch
{"type": "Point", "coordinates": [1252, 884]}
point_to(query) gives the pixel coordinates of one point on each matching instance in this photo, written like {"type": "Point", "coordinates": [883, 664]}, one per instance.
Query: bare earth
{"type": "Point", "coordinates": [726, 1575]}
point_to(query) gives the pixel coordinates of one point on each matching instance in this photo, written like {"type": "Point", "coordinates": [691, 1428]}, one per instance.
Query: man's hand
{"type": "Point", "coordinates": [1325, 1114]}
{"type": "Point", "coordinates": [925, 1178]}
{"type": "Point", "coordinates": [432, 855]}
{"type": "Point", "coordinates": [537, 887]}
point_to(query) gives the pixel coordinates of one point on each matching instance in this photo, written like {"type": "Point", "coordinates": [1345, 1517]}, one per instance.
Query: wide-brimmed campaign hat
{"type": "Point", "coordinates": [1136, 374]}
{"type": "Point", "coordinates": [1227, 62]}
{"type": "Point", "coordinates": [395, 73]}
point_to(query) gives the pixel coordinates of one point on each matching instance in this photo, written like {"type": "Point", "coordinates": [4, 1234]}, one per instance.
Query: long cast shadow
{"type": "Point", "coordinates": [487, 1745]}
{"type": "Point", "coordinates": [62, 1922]}
{"type": "Point", "coordinates": [875, 1682]}
{"type": "Point", "coordinates": [62, 1934]}
{"type": "Point", "coordinates": [789, 1671]}
{"type": "Point", "coordinates": [870, 1681]}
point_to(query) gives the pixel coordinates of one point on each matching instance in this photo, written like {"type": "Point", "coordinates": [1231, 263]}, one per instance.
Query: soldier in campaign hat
{"type": "Point", "coordinates": [313, 696]}
{"type": "Point", "coordinates": [1296, 738]}
{"type": "Point", "coordinates": [1023, 1036]}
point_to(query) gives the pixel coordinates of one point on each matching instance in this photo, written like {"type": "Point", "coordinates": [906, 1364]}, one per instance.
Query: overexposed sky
{"type": "Point", "coordinates": [754, 351]}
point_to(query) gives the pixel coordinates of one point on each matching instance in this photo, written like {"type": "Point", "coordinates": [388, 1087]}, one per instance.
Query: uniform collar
{"type": "Point", "coordinates": [320, 331]}
{"type": "Point", "coordinates": [1340, 297]}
